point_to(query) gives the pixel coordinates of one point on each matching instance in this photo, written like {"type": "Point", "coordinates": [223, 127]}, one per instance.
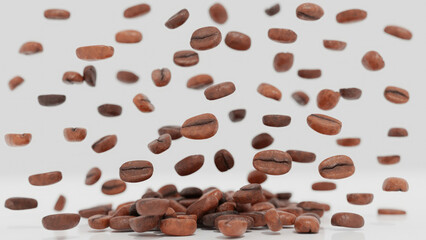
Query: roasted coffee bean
{"type": "Point", "coordinates": [273, 162]}
{"type": "Point", "coordinates": [227, 206]}
{"type": "Point", "coordinates": [327, 99]}
{"type": "Point", "coordinates": [218, 13]}
{"type": "Point", "coordinates": [257, 177]}
{"type": "Point", "coordinates": [137, 10]}
{"type": "Point", "coordinates": [312, 207]}
{"type": "Point", "coordinates": [237, 115]}
{"type": "Point", "coordinates": [99, 221]}
{"type": "Point", "coordinates": [300, 97]}
{"type": "Point", "coordinates": [17, 140]}
{"type": "Point", "coordinates": [89, 75]}
{"type": "Point", "coordinates": [44, 179]}
{"type": "Point", "coordinates": [160, 144]}
{"type": "Point", "coordinates": [309, 73]}
{"type": "Point", "coordinates": [324, 124]}
{"type": "Point", "coordinates": [395, 184]}
{"type": "Point", "coordinates": [346, 219]}
{"type": "Point", "coordinates": [75, 134]}
{"type": "Point", "coordinates": [283, 61]}
{"type": "Point", "coordinates": [143, 103]}
{"type": "Point", "coordinates": [292, 209]}
{"type": "Point", "coordinates": [251, 193]}
{"type": "Point", "coordinates": [391, 159]}
{"type": "Point", "coordinates": [200, 127]}
{"type": "Point", "coordinates": [323, 186]}
{"type": "Point", "coordinates": [136, 171]}
{"type": "Point", "coordinates": [262, 206]}
{"type": "Point", "coordinates": [144, 223]}
{"type": "Point", "coordinates": [301, 156]}
{"type": "Point", "coordinates": [127, 77]}
{"type": "Point", "coordinates": [232, 227]}
{"type": "Point", "coordinates": [351, 15]}
{"type": "Point", "coordinates": [286, 218]}
{"type": "Point", "coordinates": [20, 203]}
{"type": "Point", "coordinates": [269, 91]}
{"type": "Point", "coordinates": [94, 52]}
{"type": "Point", "coordinates": [275, 120]}
{"type": "Point", "coordinates": [336, 167]}
{"type": "Point", "coordinates": [284, 195]}
{"type": "Point", "coordinates": [152, 206]}
{"type": "Point", "coordinates": [223, 160]}
{"type": "Point", "coordinates": [205, 38]}
{"type": "Point", "coordinates": [398, 32]}
{"type": "Point", "coordinates": [206, 203]}
{"type": "Point", "coordinates": [397, 132]}
{"type": "Point", "coordinates": [208, 220]}
{"type": "Point", "coordinates": [151, 194]}
{"type": "Point", "coordinates": [124, 209]}
{"type": "Point", "coordinates": [191, 192]}
{"type": "Point", "coordinates": [258, 217]}
{"type": "Point", "coordinates": [88, 212]}
{"type": "Point", "coordinates": [113, 187]}
{"type": "Point", "coordinates": [60, 203]}
{"type": "Point", "coordinates": [262, 140]}
{"type": "Point", "coordinates": [178, 19]}
{"type": "Point", "coordinates": [306, 224]}
{"type": "Point", "coordinates": [161, 77]}
{"type": "Point", "coordinates": [173, 131]}
{"type": "Point", "coordinates": [72, 77]}
{"type": "Point", "coordinates": [273, 220]}
{"type": "Point", "coordinates": [189, 165]}
{"type": "Point", "coordinates": [249, 220]}
{"type": "Point", "coordinates": [110, 110]}
{"type": "Point", "coordinates": [120, 223]}
{"type": "Point", "coordinates": [274, 9]}
{"type": "Point", "coordinates": [348, 142]}
{"type": "Point", "coordinates": [282, 35]}
{"type": "Point", "coordinates": [168, 190]}
{"type": "Point", "coordinates": [359, 198]}
{"type": "Point", "coordinates": [387, 211]}
{"type": "Point", "coordinates": [334, 45]}
{"type": "Point", "coordinates": [238, 41]}
{"type": "Point", "coordinates": [128, 36]}
{"type": "Point", "coordinates": [57, 14]}
{"type": "Point", "coordinates": [309, 12]}
{"type": "Point", "coordinates": [350, 93]}
{"type": "Point", "coordinates": [15, 82]}
{"type": "Point", "coordinates": [219, 90]}
{"type": "Point", "coordinates": [373, 61]}
{"type": "Point", "coordinates": [396, 95]}
{"type": "Point", "coordinates": [93, 176]}
{"type": "Point", "coordinates": [199, 81]}
{"type": "Point", "coordinates": [61, 221]}
{"type": "Point", "coordinates": [30, 48]}
{"type": "Point", "coordinates": [185, 58]}
{"type": "Point", "coordinates": [51, 100]}
{"type": "Point", "coordinates": [178, 227]}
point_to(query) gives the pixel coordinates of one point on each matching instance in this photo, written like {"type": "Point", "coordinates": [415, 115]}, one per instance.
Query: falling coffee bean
{"type": "Point", "coordinates": [334, 45]}
{"type": "Point", "coordinates": [95, 52]}
{"type": "Point", "coordinates": [223, 160]}
{"type": "Point", "coordinates": [200, 127]}
{"type": "Point", "coordinates": [350, 93]}
{"type": "Point", "coordinates": [388, 211]}
{"type": "Point", "coordinates": [44, 179]}
{"type": "Point", "coordinates": [72, 77]}
{"type": "Point", "coordinates": [336, 167]}
{"type": "Point", "coordinates": [301, 156]}
{"type": "Point", "coordinates": [189, 165]}
{"type": "Point", "coordinates": [219, 90]}
{"type": "Point", "coordinates": [398, 32]}
{"type": "Point", "coordinates": [113, 187]}
{"type": "Point", "coordinates": [61, 221]}
{"type": "Point", "coordinates": [218, 13]}
{"type": "Point", "coordinates": [199, 81]}
{"type": "Point", "coordinates": [327, 99]}
{"type": "Point", "coordinates": [143, 103]}
{"type": "Point", "coordinates": [30, 48]}
{"type": "Point", "coordinates": [60, 203]}
{"type": "Point", "coordinates": [93, 176]}
{"type": "Point", "coordinates": [348, 142]}
{"type": "Point", "coordinates": [300, 97]}
{"type": "Point", "coordinates": [283, 61]}
{"type": "Point", "coordinates": [75, 134]}
{"type": "Point", "coordinates": [185, 58]}
{"type": "Point", "coordinates": [351, 15]}
{"type": "Point", "coordinates": [51, 100]}
{"type": "Point", "coordinates": [160, 144]}
{"type": "Point", "coordinates": [127, 77]}
{"type": "Point", "coordinates": [282, 35]}
{"type": "Point", "coordinates": [274, 9]}
{"type": "Point", "coordinates": [390, 159]}
{"type": "Point", "coordinates": [173, 131]}
{"type": "Point", "coordinates": [178, 19]}
{"type": "Point", "coordinates": [57, 14]}
{"type": "Point", "coordinates": [137, 10]}
{"type": "Point", "coordinates": [256, 176]}
{"type": "Point", "coordinates": [276, 120]}
{"type": "Point", "coordinates": [359, 198]}
{"type": "Point", "coordinates": [323, 186]}
{"type": "Point", "coordinates": [309, 73]}
{"type": "Point", "coordinates": [309, 12]}
{"type": "Point", "coordinates": [20, 203]}
{"type": "Point", "coordinates": [237, 115]}
{"type": "Point", "coordinates": [89, 75]}
{"type": "Point", "coordinates": [262, 140]}
{"type": "Point", "coordinates": [15, 82]}
{"type": "Point", "coordinates": [373, 61]}
{"type": "Point", "coordinates": [238, 41]}
{"type": "Point", "coordinates": [395, 184]}
{"type": "Point", "coordinates": [104, 144]}
{"type": "Point", "coordinates": [324, 124]}
{"type": "Point", "coordinates": [161, 77]}
{"type": "Point", "coordinates": [136, 171]}
{"type": "Point", "coordinates": [397, 132]}
{"type": "Point", "coordinates": [396, 95]}
{"type": "Point", "coordinates": [205, 38]}
{"type": "Point", "coordinates": [17, 140]}
{"type": "Point", "coordinates": [110, 110]}
{"type": "Point", "coordinates": [345, 219]}
{"type": "Point", "coordinates": [269, 91]}
{"type": "Point", "coordinates": [128, 36]}
{"type": "Point", "coordinates": [273, 162]}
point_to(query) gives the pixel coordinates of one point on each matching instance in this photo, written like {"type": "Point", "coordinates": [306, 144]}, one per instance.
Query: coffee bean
{"type": "Point", "coordinates": [128, 36]}
{"type": "Point", "coordinates": [273, 220]}
{"type": "Point", "coordinates": [72, 77]}
{"type": "Point", "coordinates": [75, 134]}
{"type": "Point", "coordinates": [206, 203]}
{"type": "Point", "coordinates": [220, 90]}
{"type": "Point", "coordinates": [61, 221]}
{"type": "Point", "coordinates": [199, 81]}
{"type": "Point", "coordinates": [200, 127]}
{"type": "Point", "coordinates": [223, 160]}
{"type": "Point", "coordinates": [93, 175]}
{"type": "Point", "coordinates": [301, 156]}
{"type": "Point", "coordinates": [104, 144]}
{"type": "Point", "coordinates": [227, 217]}
{"type": "Point", "coordinates": [397, 132]}
{"type": "Point", "coordinates": [178, 19]}
{"type": "Point", "coordinates": [127, 77]}
{"type": "Point", "coordinates": [300, 97]}
{"type": "Point", "coordinates": [306, 224]}
{"type": "Point", "coordinates": [99, 221]}
{"type": "Point", "coordinates": [110, 110]}
{"type": "Point", "coordinates": [334, 45]}
{"type": "Point", "coordinates": [209, 220]}
{"type": "Point", "coordinates": [30, 48]}
{"type": "Point", "coordinates": [152, 206]}
{"type": "Point", "coordinates": [161, 77]}
{"type": "Point", "coordinates": [89, 75]}
{"type": "Point", "coordinates": [15, 82]}
{"type": "Point", "coordinates": [136, 171]}
{"type": "Point", "coordinates": [160, 144]}
{"type": "Point", "coordinates": [309, 73]}
{"type": "Point", "coordinates": [232, 227]}
{"type": "Point", "coordinates": [398, 32]}
{"type": "Point", "coordinates": [238, 41]}
{"type": "Point", "coordinates": [185, 58]}
{"type": "Point", "coordinates": [348, 142]}
{"type": "Point", "coordinates": [205, 38]}
{"type": "Point", "coordinates": [257, 177]}
{"type": "Point", "coordinates": [282, 35]}
{"type": "Point", "coordinates": [275, 120]}
{"type": "Point", "coordinates": [387, 211]}
{"type": "Point", "coordinates": [151, 194]}
{"type": "Point", "coordinates": [251, 193]}
{"type": "Point", "coordinates": [60, 203]}
{"type": "Point", "coordinates": [237, 115]}
{"type": "Point", "coordinates": [144, 223]}
{"type": "Point", "coordinates": [20, 203]}
{"type": "Point", "coordinates": [327, 99]}
{"type": "Point", "coordinates": [360, 198]}
{"type": "Point", "coordinates": [273, 162]}
{"type": "Point", "coordinates": [345, 219]}
{"type": "Point", "coordinates": [336, 167]}
{"type": "Point", "coordinates": [113, 187]}
{"type": "Point", "coordinates": [373, 61]}
{"type": "Point", "coordinates": [89, 212]}
{"type": "Point", "coordinates": [283, 61]}
{"type": "Point", "coordinates": [284, 195]}
{"type": "Point", "coordinates": [387, 160]}
{"type": "Point", "coordinates": [143, 103]}
{"type": "Point", "coordinates": [274, 9]}
{"type": "Point", "coordinates": [94, 52]}
{"type": "Point", "coordinates": [120, 223]}
{"type": "Point", "coordinates": [262, 140]}
{"type": "Point", "coordinates": [323, 186]}
{"type": "Point", "coordinates": [324, 124]}
{"type": "Point", "coordinates": [286, 218]}
{"type": "Point", "coordinates": [44, 179]}
{"type": "Point", "coordinates": [173, 131]}
{"type": "Point", "coordinates": [396, 95]}
{"type": "Point", "coordinates": [178, 227]}
{"type": "Point", "coordinates": [137, 10]}
{"type": "Point", "coordinates": [351, 15]}
{"type": "Point", "coordinates": [258, 217]}
{"type": "Point", "coordinates": [218, 13]}
{"type": "Point", "coordinates": [312, 207]}
{"type": "Point", "coordinates": [309, 12]}
{"type": "Point", "coordinates": [269, 91]}
{"type": "Point", "coordinates": [17, 140]}
{"type": "Point", "coordinates": [189, 165]}
{"type": "Point", "coordinates": [395, 184]}
{"type": "Point", "coordinates": [292, 209]}
{"type": "Point", "coordinates": [350, 93]}
{"type": "Point", "coordinates": [191, 192]}
{"type": "Point", "coordinates": [51, 100]}
{"type": "Point", "coordinates": [57, 14]}
{"type": "Point", "coordinates": [168, 190]}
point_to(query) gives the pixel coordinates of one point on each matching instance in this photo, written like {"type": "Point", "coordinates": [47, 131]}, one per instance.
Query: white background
{"type": "Point", "coordinates": [96, 22]}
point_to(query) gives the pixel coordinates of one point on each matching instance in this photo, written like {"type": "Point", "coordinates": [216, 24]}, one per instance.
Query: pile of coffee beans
{"type": "Point", "coordinates": [180, 213]}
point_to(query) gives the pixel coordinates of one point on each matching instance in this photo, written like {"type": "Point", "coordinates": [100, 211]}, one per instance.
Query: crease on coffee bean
{"type": "Point", "coordinates": [336, 166]}
{"type": "Point", "coordinates": [186, 55]}
{"type": "Point", "coordinates": [302, 14]}
{"type": "Point", "coordinates": [327, 119]}
{"type": "Point", "coordinates": [396, 92]}
{"type": "Point", "coordinates": [135, 168]}
{"type": "Point", "coordinates": [273, 160]}
{"type": "Point", "coordinates": [200, 123]}
{"type": "Point", "coordinates": [110, 187]}
{"type": "Point", "coordinates": [204, 37]}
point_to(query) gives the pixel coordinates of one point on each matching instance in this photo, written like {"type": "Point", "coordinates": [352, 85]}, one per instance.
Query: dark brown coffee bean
{"type": "Point", "coordinates": [273, 220]}
{"type": "Point", "coordinates": [93, 175]}
{"type": "Point", "coordinates": [88, 212]}
{"type": "Point", "coordinates": [161, 77]}
{"type": "Point", "coordinates": [200, 127]}
{"type": "Point", "coordinates": [273, 162]}
{"type": "Point", "coordinates": [251, 193]}
{"type": "Point", "coordinates": [152, 206]}
{"type": "Point", "coordinates": [110, 110]}
{"type": "Point", "coordinates": [178, 19]}
{"type": "Point", "coordinates": [94, 52]}
{"type": "Point", "coordinates": [20, 203]}
{"type": "Point", "coordinates": [205, 38]}
{"type": "Point", "coordinates": [136, 171]}
{"type": "Point", "coordinates": [15, 82]}
{"type": "Point", "coordinates": [61, 221]}
{"type": "Point", "coordinates": [44, 179]}
{"type": "Point", "coordinates": [185, 58]}
{"type": "Point", "coordinates": [178, 227]}
{"type": "Point", "coordinates": [348, 142]}
{"type": "Point", "coordinates": [191, 192]}
{"type": "Point", "coordinates": [396, 95]}
{"type": "Point", "coordinates": [219, 90]}
{"type": "Point", "coordinates": [387, 211]}
{"type": "Point", "coordinates": [89, 75]}
{"type": "Point", "coordinates": [398, 32]}
{"type": "Point", "coordinates": [306, 224]}
{"type": "Point", "coordinates": [113, 187]}
{"type": "Point", "coordinates": [238, 41]}
{"type": "Point", "coordinates": [350, 93]}
{"type": "Point", "coordinates": [324, 124]}
{"type": "Point", "coordinates": [359, 198]}
{"type": "Point", "coordinates": [223, 160]}
{"type": "Point", "coordinates": [75, 134]}
{"type": "Point", "coordinates": [395, 184]}
{"type": "Point", "coordinates": [51, 100]}
{"type": "Point", "coordinates": [237, 115]}
{"type": "Point", "coordinates": [300, 97]}
{"type": "Point", "coordinates": [57, 14]}
{"type": "Point", "coordinates": [17, 140]}
{"type": "Point", "coordinates": [269, 91]}
{"type": "Point", "coordinates": [257, 177]}
{"type": "Point", "coordinates": [312, 207]}
{"type": "Point", "coordinates": [327, 99]}
{"type": "Point", "coordinates": [301, 156]}
{"type": "Point", "coordinates": [391, 159]}
{"type": "Point", "coordinates": [127, 77]}
{"type": "Point", "coordinates": [143, 103]}
{"type": "Point", "coordinates": [283, 61]}
{"type": "Point", "coordinates": [397, 132]}
{"type": "Point", "coordinates": [208, 220]}
{"type": "Point", "coordinates": [262, 140]}
{"type": "Point", "coordinates": [309, 12]}
{"type": "Point", "coordinates": [189, 165]}
{"type": "Point", "coordinates": [30, 48]}
{"type": "Point", "coordinates": [160, 144]}
{"type": "Point", "coordinates": [173, 131]}
{"type": "Point", "coordinates": [128, 36]}
{"type": "Point", "coordinates": [275, 120]}
{"type": "Point", "coordinates": [232, 227]}
{"type": "Point", "coordinates": [72, 77]}
{"type": "Point", "coordinates": [144, 223]}
{"type": "Point", "coordinates": [345, 219]}
{"type": "Point", "coordinates": [168, 190]}
{"type": "Point", "coordinates": [120, 223]}
{"type": "Point", "coordinates": [60, 203]}
{"type": "Point", "coordinates": [199, 81]}
{"type": "Point", "coordinates": [284, 195]}
{"type": "Point", "coordinates": [99, 221]}
{"type": "Point", "coordinates": [282, 35]}
{"type": "Point", "coordinates": [137, 10]}
{"type": "Point", "coordinates": [336, 167]}
{"type": "Point", "coordinates": [218, 13]}
{"type": "Point", "coordinates": [373, 61]}
{"type": "Point", "coordinates": [351, 15]}
{"type": "Point", "coordinates": [323, 186]}
{"type": "Point", "coordinates": [309, 73]}
{"type": "Point", "coordinates": [334, 45]}
{"type": "Point", "coordinates": [274, 9]}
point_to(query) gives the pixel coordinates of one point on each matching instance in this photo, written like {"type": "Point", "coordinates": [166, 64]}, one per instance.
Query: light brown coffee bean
{"type": "Point", "coordinates": [387, 211]}
{"type": "Point", "coordinates": [273, 162]}
{"type": "Point", "coordinates": [17, 140]}
{"type": "Point", "coordinates": [398, 32]}
{"type": "Point", "coordinates": [359, 198]}
{"type": "Point", "coordinates": [89, 75]}
{"type": "Point", "coordinates": [200, 127]}
{"type": "Point", "coordinates": [144, 223]}
{"type": "Point", "coordinates": [209, 220]}
{"type": "Point", "coordinates": [336, 167]}
{"type": "Point", "coordinates": [262, 140]}
{"type": "Point", "coordinates": [72, 77]}
{"type": "Point", "coordinates": [309, 12]}
{"type": "Point", "coordinates": [373, 61]}
{"type": "Point", "coordinates": [256, 176]}
{"type": "Point", "coordinates": [60, 203]}
{"type": "Point", "coordinates": [99, 221]}
{"type": "Point", "coordinates": [395, 184]}
{"type": "Point", "coordinates": [199, 81]}
{"type": "Point", "coordinates": [61, 221]}
{"type": "Point", "coordinates": [283, 61]}
{"type": "Point", "coordinates": [178, 19]}
{"type": "Point", "coordinates": [160, 144]}
{"type": "Point", "coordinates": [274, 9]}
{"type": "Point", "coordinates": [350, 93]}
{"type": "Point", "coordinates": [232, 227]}
{"type": "Point", "coordinates": [351, 15]}
{"type": "Point", "coordinates": [113, 187]}
{"type": "Point", "coordinates": [128, 36]}
{"type": "Point", "coordinates": [95, 52]}
{"type": "Point", "coordinates": [152, 206]}
{"type": "Point", "coordinates": [168, 190]}
{"type": "Point", "coordinates": [75, 134]}
{"type": "Point", "coordinates": [189, 165]}
{"type": "Point", "coordinates": [258, 217]}
{"type": "Point", "coordinates": [276, 120]}
{"type": "Point", "coordinates": [348, 142]}
{"type": "Point", "coordinates": [178, 227]}
{"type": "Point", "coordinates": [323, 186]}
{"type": "Point", "coordinates": [346, 219]}
{"type": "Point", "coordinates": [286, 218]}
{"type": "Point", "coordinates": [143, 103]}
{"type": "Point", "coordinates": [120, 223]}
{"type": "Point", "coordinates": [223, 160]}
{"type": "Point", "coordinates": [136, 171]}
{"type": "Point", "coordinates": [104, 144]}
{"type": "Point", "coordinates": [51, 100]}
{"type": "Point", "coordinates": [227, 217]}
{"type": "Point", "coordinates": [324, 124]}
{"type": "Point", "coordinates": [30, 48]}
{"type": "Point", "coordinates": [301, 156]}
{"type": "Point", "coordinates": [387, 160]}
{"type": "Point", "coordinates": [137, 10]}
{"type": "Point", "coordinates": [218, 13]}
{"type": "Point", "coordinates": [110, 110]}
{"type": "Point", "coordinates": [93, 176]}
{"type": "Point", "coordinates": [327, 99]}
{"type": "Point", "coordinates": [262, 206]}
{"type": "Point", "coordinates": [15, 82]}
{"type": "Point", "coordinates": [127, 77]}
{"type": "Point", "coordinates": [309, 73]}
{"type": "Point", "coordinates": [238, 41]}
{"type": "Point", "coordinates": [397, 132]}
{"type": "Point", "coordinates": [334, 45]}
{"type": "Point", "coordinates": [306, 224]}
{"type": "Point", "coordinates": [251, 193]}
{"type": "Point", "coordinates": [396, 95]}
{"type": "Point", "coordinates": [185, 58]}
{"type": "Point", "coordinates": [282, 35]}
{"type": "Point", "coordinates": [312, 207]}
{"type": "Point", "coordinates": [300, 97]}
{"type": "Point", "coordinates": [173, 131]}
{"type": "Point", "coordinates": [161, 77]}
{"type": "Point", "coordinates": [44, 179]}
{"type": "Point", "coordinates": [20, 203]}
{"type": "Point", "coordinates": [269, 91]}
{"type": "Point", "coordinates": [101, 209]}
{"type": "Point", "coordinates": [205, 38]}
{"type": "Point", "coordinates": [57, 14]}
{"type": "Point", "coordinates": [220, 90]}
{"type": "Point", "coordinates": [206, 203]}
{"type": "Point", "coordinates": [273, 220]}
